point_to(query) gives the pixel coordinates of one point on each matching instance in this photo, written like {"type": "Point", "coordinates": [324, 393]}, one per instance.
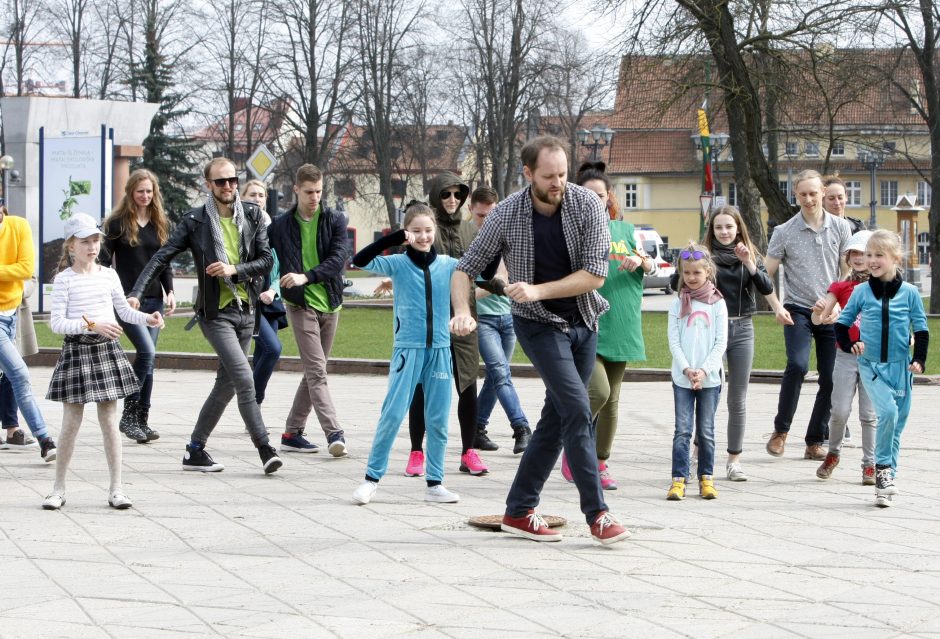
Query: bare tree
{"type": "Point", "coordinates": [385, 32]}
{"type": "Point", "coordinates": [313, 71]}
{"type": "Point", "coordinates": [102, 67]}
{"type": "Point", "coordinates": [23, 27]}
{"type": "Point", "coordinates": [69, 22]}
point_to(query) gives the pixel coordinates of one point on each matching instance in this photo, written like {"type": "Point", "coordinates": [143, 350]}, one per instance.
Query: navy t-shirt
{"type": "Point", "coordinates": [552, 261]}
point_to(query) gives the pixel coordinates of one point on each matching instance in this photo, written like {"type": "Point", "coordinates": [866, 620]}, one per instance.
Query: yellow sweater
{"type": "Point", "coordinates": [17, 260]}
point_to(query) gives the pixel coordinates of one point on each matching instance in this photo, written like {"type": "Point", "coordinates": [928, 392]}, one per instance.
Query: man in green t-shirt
{"type": "Point", "coordinates": [311, 246]}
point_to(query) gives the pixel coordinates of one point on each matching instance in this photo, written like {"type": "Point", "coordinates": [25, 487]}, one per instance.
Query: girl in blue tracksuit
{"type": "Point", "coordinates": [421, 351]}
{"type": "Point", "coordinates": [890, 310]}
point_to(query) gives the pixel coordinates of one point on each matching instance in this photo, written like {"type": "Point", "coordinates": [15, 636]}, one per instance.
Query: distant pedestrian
{"type": "Point", "coordinates": [497, 343]}
{"type": "Point", "coordinates": [16, 438]}
{"type": "Point", "coordinates": [92, 366]}
{"type": "Point", "coordinates": [229, 245]}
{"type": "Point", "coordinates": [421, 349]}
{"type": "Point", "coordinates": [312, 249]}
{"type": "Point", "coordinates": [136, 229]}
{"type": "Point", "coordinates": [272, 316]}
{"type": "Point", "coordinates": [698, 335]}
{"type": "Point", "coordinates": [845, 375]}
{"type": "Point", "coordinates": [554, 240]}
{"type": "Point", "coordinates": [890, 309]}
{"type": "Point", "coordinates": [834, 201]}
{"type": "Point", "coordinates": [809, 246]}
{"type": "Point", "coordinates": [18, 264]}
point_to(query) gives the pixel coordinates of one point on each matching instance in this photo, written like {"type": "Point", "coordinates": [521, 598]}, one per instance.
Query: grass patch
{"type": "Point", "coordinates": [366, 333]}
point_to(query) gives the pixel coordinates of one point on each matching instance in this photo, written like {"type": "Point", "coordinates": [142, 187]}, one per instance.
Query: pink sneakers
{"type": "Point", "coordinates": [607, 480]}
{"type": "Point", "coordinates": [470, 462]}
{"type": "Point", "coordinates": [415, 467]}
{"type": "Point", "coordinates": [565, 470]}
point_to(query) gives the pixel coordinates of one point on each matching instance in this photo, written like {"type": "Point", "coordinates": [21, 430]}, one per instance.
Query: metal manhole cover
{"type": "Point", "coordinates": [492, 522]}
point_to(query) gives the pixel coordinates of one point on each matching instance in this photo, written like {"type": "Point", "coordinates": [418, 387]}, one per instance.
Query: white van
{"type": "Point", "coordinates": [652, 244]}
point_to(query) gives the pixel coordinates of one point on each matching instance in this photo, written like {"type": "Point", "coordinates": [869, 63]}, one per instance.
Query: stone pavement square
{"type": "Point", "coordinates": [239, 554]}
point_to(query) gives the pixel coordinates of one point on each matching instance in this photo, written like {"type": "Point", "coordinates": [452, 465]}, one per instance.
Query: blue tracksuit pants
{"type": "Point", "coordinates": [432, 368]}
{"type": "Point", "coordinates": [889, 387]}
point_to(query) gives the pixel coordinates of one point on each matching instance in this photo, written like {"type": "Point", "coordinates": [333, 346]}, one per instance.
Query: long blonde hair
{"type": "Point", "coordinates": [706, 260]}
{"type": "Point", "coordinates": [65, 259]}
{"type": "Point", "coordinates": [126, 211]}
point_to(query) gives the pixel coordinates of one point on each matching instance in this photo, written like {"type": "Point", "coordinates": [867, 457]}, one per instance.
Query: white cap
{"type": "Point", "coordinates": [857, 242]}
{"type": "Point", "coordinates": [81, 225]}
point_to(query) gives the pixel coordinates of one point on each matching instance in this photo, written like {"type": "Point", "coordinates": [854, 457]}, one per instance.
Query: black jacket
{"type": "Point", "coordinates": [737, 286]}
{"type": "Point", "coordinates": [332, 249]}
{"type": "Point", "coordinates": [193, 233]}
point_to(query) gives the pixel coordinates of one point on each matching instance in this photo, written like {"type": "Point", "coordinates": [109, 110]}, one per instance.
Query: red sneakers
{"type": "Point", "coordinates": [531, 526]}
{"type": "Point", "coordinates": [607, 530]}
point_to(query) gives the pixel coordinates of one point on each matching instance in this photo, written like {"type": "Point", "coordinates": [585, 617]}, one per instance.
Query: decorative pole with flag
{"type": "Point", "coordinates": [708, 184]}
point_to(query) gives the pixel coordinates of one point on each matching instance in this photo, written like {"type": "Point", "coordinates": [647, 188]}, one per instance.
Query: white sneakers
{"type": "Point", "coordinates": [438, 494]}
{"type": "Point", "coordinates": [53, 501]}
{"type": "Point", "coordinates": [736, 472]}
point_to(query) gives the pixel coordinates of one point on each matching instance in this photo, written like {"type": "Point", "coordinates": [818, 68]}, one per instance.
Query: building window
{"type": "Point", "coordinates": [345, 188]}
{"type": "Point", "coordinates": [838, 149]}
{"type": "Point", "coordinates": [785, 188]}
{"type": "Point", "coordinates": [629, 196]}
{"type": "Point", "coordinates": [732, 194]}
{"type": "Point", "coordinates": [889, 192]}
{"type": "Point", "coordinates": [811, 149]}
{"type": "Point", "coordinates": [791, 149]}
{"type": "Point", "coordinates": [853, 193]}
{"type": "Point", "coordinates": [924, 193]}
{"type": "Point", "coordinates": [399, 187]}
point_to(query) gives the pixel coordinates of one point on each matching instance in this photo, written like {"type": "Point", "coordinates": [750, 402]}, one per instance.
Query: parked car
{"type": "Point", "coordinates": [650, 242]}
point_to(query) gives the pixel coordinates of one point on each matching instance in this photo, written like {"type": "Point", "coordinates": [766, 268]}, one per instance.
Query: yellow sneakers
{"type": "Point", "coordinates": [706, 487]}
{"type": "Point", "coordinates": [677, 490]}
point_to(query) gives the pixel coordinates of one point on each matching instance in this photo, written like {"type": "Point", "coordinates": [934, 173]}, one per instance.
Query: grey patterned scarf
{"type": "Point", "coordinates": [238, 217]}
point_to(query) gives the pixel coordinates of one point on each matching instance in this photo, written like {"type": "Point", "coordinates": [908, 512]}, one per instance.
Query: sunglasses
{"type": "Point", "coordinates": [446, 195]}
{"type": "Point", "coordinates": [220, 182]}
{"type": "Point", "coordinates": [691, 255]}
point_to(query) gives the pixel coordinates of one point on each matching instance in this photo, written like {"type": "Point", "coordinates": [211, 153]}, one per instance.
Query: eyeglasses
{"type": "Point", "coordinates": [446, 195]}
{"type": "Point", "coordinates": [220, 182]}
{"type": "Point", "coordinates": [691, 255]}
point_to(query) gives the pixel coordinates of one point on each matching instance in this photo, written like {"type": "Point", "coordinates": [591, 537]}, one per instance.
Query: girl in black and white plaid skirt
{"type": "Point", "coordinates": [92, 366]}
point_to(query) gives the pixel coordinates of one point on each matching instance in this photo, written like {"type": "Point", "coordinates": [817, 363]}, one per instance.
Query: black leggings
{"type": "Point", "coordinates": [466, 415]}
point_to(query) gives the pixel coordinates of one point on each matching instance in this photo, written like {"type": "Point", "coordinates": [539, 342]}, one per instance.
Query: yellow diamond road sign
{"type": "Point", "coordinates": [262, 162]}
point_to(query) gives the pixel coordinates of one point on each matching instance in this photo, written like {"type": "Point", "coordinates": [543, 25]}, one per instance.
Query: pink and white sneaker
{"type": "Point", "coordinates": [565, 470]}
{"type": "Point", "coordinates": [470, 462]}
{"type": "Point", "coordinates": [607, 480]}
{"type": "Point", "coordinates": [415, 467]}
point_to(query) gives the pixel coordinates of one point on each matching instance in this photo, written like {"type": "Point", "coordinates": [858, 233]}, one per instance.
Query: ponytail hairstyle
{"type": "Point", "coordinates": [416, 208]}
{"type": "Point", "coordinates": [596, 171]}
{"type": "Point", "coordinates": [65, 259]}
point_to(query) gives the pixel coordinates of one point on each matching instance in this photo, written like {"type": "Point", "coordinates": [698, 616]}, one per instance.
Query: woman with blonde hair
{"type": "Point", "coordinates": [134, 232]}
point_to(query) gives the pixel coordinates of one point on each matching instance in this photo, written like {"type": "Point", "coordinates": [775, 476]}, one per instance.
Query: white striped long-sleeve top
{"type": "Point", "coordinates": [94, 295]}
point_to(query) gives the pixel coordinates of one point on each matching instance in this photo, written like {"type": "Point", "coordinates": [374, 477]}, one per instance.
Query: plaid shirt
{"type": "Point", "coordinates": [508, 232]}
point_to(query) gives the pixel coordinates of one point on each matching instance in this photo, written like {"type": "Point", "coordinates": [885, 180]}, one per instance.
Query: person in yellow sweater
{"type": "Point", "coordinates": [17, 263]}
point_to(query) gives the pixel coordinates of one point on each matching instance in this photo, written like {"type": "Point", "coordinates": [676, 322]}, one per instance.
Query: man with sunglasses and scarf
{"type": "Point", "coordinates": [229, 245]}
{"type": "Point", "coordinates": [554, 240]}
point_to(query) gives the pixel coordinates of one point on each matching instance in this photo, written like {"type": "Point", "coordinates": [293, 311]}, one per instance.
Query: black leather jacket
{"type": "Point", "coordinates": [332, 250]}
{"type": "Point", "coordinates": [194, 234]}
{"type": "Point", "coordinates": [735, 284]}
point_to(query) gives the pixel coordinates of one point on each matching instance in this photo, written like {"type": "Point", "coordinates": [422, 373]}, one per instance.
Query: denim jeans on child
{"type": "Point", "coordinates": [13, 367]}
{"type": "Point", "coordinates": [695, 409]}
{"type": "Point", "coordinates": [497, 342]}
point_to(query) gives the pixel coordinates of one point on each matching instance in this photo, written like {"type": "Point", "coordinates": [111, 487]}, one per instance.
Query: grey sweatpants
{"type": "Point", "coordinates": [845, 379]}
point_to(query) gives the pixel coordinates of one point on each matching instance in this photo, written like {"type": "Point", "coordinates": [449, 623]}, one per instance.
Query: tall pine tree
{"type": "Point", "coordinates": [168, 152]}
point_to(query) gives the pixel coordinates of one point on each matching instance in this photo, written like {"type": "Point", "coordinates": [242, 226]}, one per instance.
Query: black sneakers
{"type": "Point", "coordinates": [47, 449]}
{"type": "Point", "coordinates": [482, 441]}
{"type": "Point", "coordinates": [522, 435]}
{"type": "Point", "coordinates": [199, 459]}
{"type": "Point", "coordinates": [269, 459]}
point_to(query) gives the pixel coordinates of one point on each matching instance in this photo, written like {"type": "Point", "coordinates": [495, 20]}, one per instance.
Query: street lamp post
{"type": "Point", "coordinates": [596, 139]}
{"type": "Point", "coordinates": [872, 160]}
{"type": "Point", "coordinates": [6, 165]}
{"type": "Point", "coordinates": [718, 143]}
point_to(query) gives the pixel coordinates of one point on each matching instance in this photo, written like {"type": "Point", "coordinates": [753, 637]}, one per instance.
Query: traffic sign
{"type": "Point", "coordinates": [262, 162]}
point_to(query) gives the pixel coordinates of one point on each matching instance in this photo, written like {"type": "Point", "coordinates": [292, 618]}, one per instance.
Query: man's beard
{"type": "Point", "coordinates": [546, 197]}
{"type": "Point", "coordinates": [220, 200]}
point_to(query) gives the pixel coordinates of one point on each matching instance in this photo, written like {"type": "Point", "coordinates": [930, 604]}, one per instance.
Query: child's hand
{"type": "Point", "coordinates": [742, 253]}
{"type": "Point", "coordinates": [916, 367]}
{"type": "Point", "coordinates": [155, 320]}
{"type": "Point", "coordinates": [858, 348]}
{"type": "Point", "coordinates": [267, 296]}
{"type": "Point", "coordinates": [820, 305]}
{"type": "Point", "coordinates": [384, 287]}
{"type": "Point", "coordinates": [409, 237]}
{"type": "Point", "coordinates": [630, 263]}
{"type": "Point", "coordinates": [108, 329]}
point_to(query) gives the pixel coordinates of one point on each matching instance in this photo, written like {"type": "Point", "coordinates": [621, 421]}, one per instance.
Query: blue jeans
{"type": "Point", "coordinates": [13, 367]}
{"type": "Point", "coordinates": [694, 408]}
{"type": "Point", "coordinates": [267, 352]}
{"type": "Point", "coordinates": [565, 362]}
{"type": "Point", "coordinates": [144, 339]}
{"type": "Point", "coordinates": [8, 407]}
{"type": "Point", "coordinates": [497, 342]}
{"type": "Point", "coordinates": [798, 339]}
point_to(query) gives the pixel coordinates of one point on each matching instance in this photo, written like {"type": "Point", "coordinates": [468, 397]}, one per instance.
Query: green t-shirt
{"type": "Point", "coordinates": [230, 239]}
{"type": "Point", "coordinates": [620, 330]}
{"type": "Point", "coordinates": [315, 294]}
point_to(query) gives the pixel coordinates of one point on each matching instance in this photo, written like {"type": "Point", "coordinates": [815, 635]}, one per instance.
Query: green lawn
{"type": "Point", "coordinates": [365, 333]}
